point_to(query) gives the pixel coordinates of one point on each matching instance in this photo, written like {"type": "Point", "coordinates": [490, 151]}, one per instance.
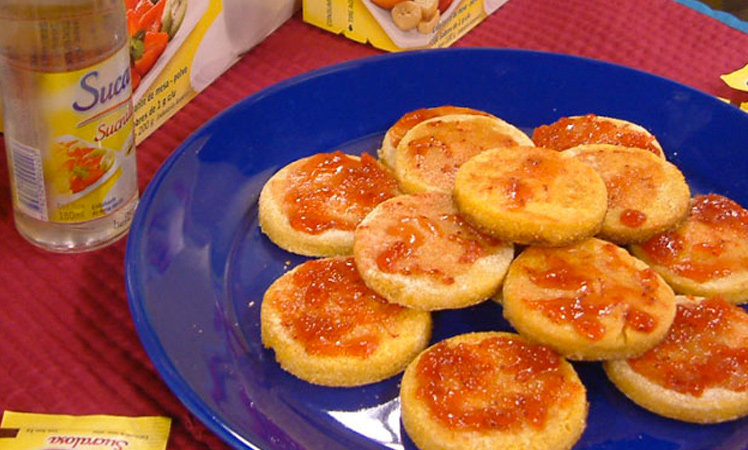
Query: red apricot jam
{"type": "Point", "coordinates": [592, 293]}
{"type": "Point", "coordinates": [632, 218]}
{"type": "Point", "coordinates": [720, 212]}
{"type": "Point", "coordinates": [439, 154]}
{"type": "Point", "coordinates": [499, 383]}
{"type": "Point", "coordinates": [442, 237]}
{"type": "Point", "coordinates": [529, 180]}
{"type": "Point", "coordinates": [332, 191]}
{"type": "Point", "coordinates": [706, 347]}
{"type": "Point", "coordinates": [703, 248]}
{"type": "Point", "coordinates": [332, 312]}
{"type": "Point", "coordinates": [413, 118]}
{"type": "Point", "coordinates": [569, 132]}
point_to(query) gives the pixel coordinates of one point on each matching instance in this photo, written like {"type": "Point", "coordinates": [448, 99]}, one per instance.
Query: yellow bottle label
{"type": "Point", "coordinates": [85, 167]}
{"type": "Point", "coordinates": [27, 431]}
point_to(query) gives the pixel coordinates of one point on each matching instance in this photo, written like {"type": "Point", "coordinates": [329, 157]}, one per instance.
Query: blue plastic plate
{"type": "Point", "coordinates": [197, 265]}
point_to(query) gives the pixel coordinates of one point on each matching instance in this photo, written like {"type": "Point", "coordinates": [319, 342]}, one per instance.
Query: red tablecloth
{"type": "Point", "coordinates": [67, 341]}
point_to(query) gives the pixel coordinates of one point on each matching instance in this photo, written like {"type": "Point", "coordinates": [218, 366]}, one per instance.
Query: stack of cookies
{"type": "Point", "coordinates": [584, 232]}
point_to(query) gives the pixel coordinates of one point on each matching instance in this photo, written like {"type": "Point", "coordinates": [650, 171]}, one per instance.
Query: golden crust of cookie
{"type": "Point", "coordinates": [428, 156]}
{"type": "Point", "coordinates": [531, 195]}
{"type": "Point", "coordinates": [537, 400]}
{"type": "Point", "coordinates": [707, 254]}
{"type": "Point", "coordinates": [695, 374]}
{"type": "Point", "coordinates": [328, 328]}
{"type": "Point", "coordinates": [568, 132]}
{"type": "Point", "coordinates": [589, 301]}
{"type": "Point", "coordinates": [646, 194]}
{"type": "Point", "coordinates": [417, 251]}
{"type": "Point", "coordinates": [397, 131]}
{"type": "Point", "coordinates": [312, 205]}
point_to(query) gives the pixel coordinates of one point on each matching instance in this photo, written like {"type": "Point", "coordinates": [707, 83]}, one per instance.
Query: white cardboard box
{"type": "Point", "coordinates": [212, 36]}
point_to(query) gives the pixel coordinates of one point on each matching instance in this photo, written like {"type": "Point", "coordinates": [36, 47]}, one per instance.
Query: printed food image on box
{"type": "Point", "coordinates": [395, 25]}
{"type": "Point", "coordinates": [410, 23]}
{"type": "Point", "coordinates": [156, 30]}
{"type": "Point", "coordinates": [179, 47]}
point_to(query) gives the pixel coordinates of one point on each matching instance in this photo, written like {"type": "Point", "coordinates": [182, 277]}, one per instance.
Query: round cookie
{"type": "Point", "coordinates": [397, 131]}
{"type": "Point", "coordinates": [328, 328]}
{"type": "Point", "coordinates": [428, 156]}
{"type": "Point", "coordinates": [531, 195]}
{"type": "Point", "coordinates": [492, 390]}
{"type": "Point", "coordinates": [589, 301]}
{"type": "Point", "coordinates": [646, 194]}
{"type": "Point", "coordinates": [699, 373]}
{"type": "Point", "coordinates": [417, 251]}
{"type": "Point", "coordinates": [707, 254]}
{"type": "Point", "coordinates": [568, 132]}
{"type": "Point", "coordinates": [312, 205]}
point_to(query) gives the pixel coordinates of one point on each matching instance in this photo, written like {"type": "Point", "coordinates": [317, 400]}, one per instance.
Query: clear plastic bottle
{"type": "Point", "coordinates": [67, 115]}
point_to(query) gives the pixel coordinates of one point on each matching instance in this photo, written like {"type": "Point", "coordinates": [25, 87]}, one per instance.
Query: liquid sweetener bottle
{"type": "Point", "coordinates": [67, 117]}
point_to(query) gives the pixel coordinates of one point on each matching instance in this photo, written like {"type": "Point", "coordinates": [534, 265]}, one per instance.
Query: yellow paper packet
{"type": "Point", "coordinates": [738, 80]}
{"type": "Point", "coordinates": [27, 431]}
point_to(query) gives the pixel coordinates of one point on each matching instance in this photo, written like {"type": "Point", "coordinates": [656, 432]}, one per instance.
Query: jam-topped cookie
{"type": "Point", "coordinates": [646, 194]}
{"type": "Point", "coordinates": [707, 254]}
{"type": "Point", "coordinates": [589, 301]}
{"type": "Point", "coordinates": [699, 373]}
{"type": "Point", "coordinates": [312, 205]}
{"type": "Point", "coordinates": [417, 250]}
{"type": "Point", "coordinates": [531, 196]}
{"type": "Point", "coordinates": [492, 390]}
{"type": "Point", "coordinates": [397, 131]}
{"type": "Point", "coordinates": [428, 156]}
{"type": "Point", "coordinates": [568, 132]}
{"type": "Point", "coordinates": [327, 327]}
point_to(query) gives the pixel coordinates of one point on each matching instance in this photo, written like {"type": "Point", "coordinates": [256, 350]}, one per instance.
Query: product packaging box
{"type": "Point", "coordinates": [396, 25]}
{"type": "Point", "coordinates": [179, 47]}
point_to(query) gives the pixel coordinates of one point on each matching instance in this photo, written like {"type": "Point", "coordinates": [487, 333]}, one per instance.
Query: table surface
{"type": "Point", "coordinates": [68, 344]}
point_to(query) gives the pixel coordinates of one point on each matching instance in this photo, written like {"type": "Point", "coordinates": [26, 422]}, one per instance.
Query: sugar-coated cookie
{"type": "Point", "coordinates": [312, 205]}
{"type": "Point", "coordinates": [397, 131]}
{"type": "Point", "coordinates": [328, 328]}
{"type": "Point", "coordinates": [531, 195]}
{"type": "Point", "coordinates": [706, 255]}
{"type": "Point", "coordinates": [416, 250]}
{"type": "Point", "coordinates": [571, 131]}
{"type": "Point", "coordinates": [428, 156]}
{"type": "Point", "coordinates": [589, 301]}
{"type": "Point", "coordinates": [646, 194]}
{"type": "Point", "coordinates": [699, 373]}
{"type": "Point", "coordinates": [492, 390]}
